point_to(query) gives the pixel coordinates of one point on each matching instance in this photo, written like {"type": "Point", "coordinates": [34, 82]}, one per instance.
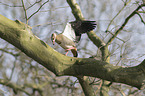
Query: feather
{"type": "Point", "coordinates": [73, 30]}
{"type": "Point", "coordinates": [81, 27]}
{"type": "Point", "coordinates": [69, 32]}
{"type": "Point", "coordinates": [72, 33]}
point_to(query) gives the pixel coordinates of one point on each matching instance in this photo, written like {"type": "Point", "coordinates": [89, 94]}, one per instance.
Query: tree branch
{"type": "Point", "coordinates": [14, 54]}
{"type": "Point", "coordinates": [10, 5]}
{"type": "Point", "coordinates": [79, 16]}
{"type": "Point", "coordinates": [94, 38]}
{"type": "Point", "coordinates": [141, 18]}
{"type": "Point", "coordinates": [34, 4]}
{"type": "Point", "coordinates": [38, 9]}
{"type": "Point", "coordinates": [125, 4]}
{"type": "Point", "coordinates": [25, 11]}
{"type": "Point", "coordinates": [125, 22]}
{"type": "Point", "coordinates": [19, 35]}
{"type": "Point", "coordinates": [87, 88]}
{"type": "Point", "coordinates": [13, 86]}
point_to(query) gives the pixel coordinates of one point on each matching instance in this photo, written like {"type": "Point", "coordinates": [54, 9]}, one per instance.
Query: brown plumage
{"type": "Point", "coordinates": [65, 43]}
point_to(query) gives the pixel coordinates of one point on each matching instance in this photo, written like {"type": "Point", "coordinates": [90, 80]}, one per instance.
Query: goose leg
{"type": "Point", "coordinates": [66, 53]}
{"type": "Point", "coordinates": [70, 49]}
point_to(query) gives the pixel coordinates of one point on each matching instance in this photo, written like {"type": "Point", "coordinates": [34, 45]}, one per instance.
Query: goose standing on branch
{"type": "Point", "coordinates": [71, 34]}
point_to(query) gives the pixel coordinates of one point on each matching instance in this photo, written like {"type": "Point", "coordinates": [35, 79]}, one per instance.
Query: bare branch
{"type": "Point", "coordinates": [141, 11]}
{"type": "Point", "coordinates": [63, 86]}
{"type": "Point", "coordinates": [10, 5]}
{"type": "Point", "coordinates": [38, 9]}
{"type": "Point", "coordinates": [141, 18]}
{"type": "Point", "coordinates": [125, 4]}
{"type": "Point", "coordinates": [15, 55]}
{"type": "Point", "coordinates": [13, 68]}
{"type": "Point", "coordinates": [62, 65]}
{"type": "Point", "coordinates": [88, 91]}
{"type": "Point", "coordinates": [25, 11]}
{"type": "Point", "coordinates": [116, 37]}
{"type": "Point", "coordinates": [13, 86]}
{"type": "Point", "coordinates": [34, 4]}
{"type": "Point", "coordinates": [125, 22]}
{"type": "Point", "coordinates": [92, 36]}
{"type": "Point", "coordinates": [79, 16]}
{"type": "Point", "coordinates": [53, 9]}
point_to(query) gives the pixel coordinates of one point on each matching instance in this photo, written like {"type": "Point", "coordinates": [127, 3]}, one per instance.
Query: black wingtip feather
{"type": "Point", "coordinates": [81, 27]}
{"type": "Point", "coordinates": [88, 26]}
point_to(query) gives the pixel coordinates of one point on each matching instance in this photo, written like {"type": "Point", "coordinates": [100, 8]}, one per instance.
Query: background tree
{"type": "Point", "coordinates": [118, 40]}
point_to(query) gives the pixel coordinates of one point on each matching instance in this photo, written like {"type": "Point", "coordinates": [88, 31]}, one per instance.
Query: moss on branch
{"type": "Point", "coordinates": [61, 65]}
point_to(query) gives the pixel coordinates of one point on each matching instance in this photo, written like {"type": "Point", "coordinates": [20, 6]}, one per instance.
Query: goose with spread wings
{"type": "Point", "coordinates": [72, 34]}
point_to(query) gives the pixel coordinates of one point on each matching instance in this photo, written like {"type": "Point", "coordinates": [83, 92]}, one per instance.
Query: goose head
{"type": "Point", "coordinates": [53, 38]}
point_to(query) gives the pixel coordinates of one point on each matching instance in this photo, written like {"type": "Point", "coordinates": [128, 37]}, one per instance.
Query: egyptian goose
{"type": "Point", "coordinates": [71, 34]}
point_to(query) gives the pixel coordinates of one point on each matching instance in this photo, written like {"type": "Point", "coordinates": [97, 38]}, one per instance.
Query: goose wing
{"type": "Point", "coordinates": [69, 32]}
{"type": "Point", "coordinates": [81, 27]}
{"type": "Point", "coordinates": [73, 30]}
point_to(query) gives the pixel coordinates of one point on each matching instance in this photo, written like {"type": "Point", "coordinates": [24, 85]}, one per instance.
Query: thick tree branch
{"type": "Point", "coordinates": [19, 35]}
{"type": "Point", "coordinates": [88, 90]}
{"type": "Point", "coordinates": [79, 16]}
{"type": "Point", "coordinates": [94, 38]}
{"type": "Point", "coordinates": [75, 9]}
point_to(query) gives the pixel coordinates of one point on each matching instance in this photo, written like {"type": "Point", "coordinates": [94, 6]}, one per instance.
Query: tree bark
{"type": "Point", "coordinates": [96, 40]}
{"type": "Point", "coordinates": [20, 35]}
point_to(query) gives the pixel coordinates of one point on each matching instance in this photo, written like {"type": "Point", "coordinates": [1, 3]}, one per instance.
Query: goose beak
{"type": "Point", "coordinates": [53, 42]}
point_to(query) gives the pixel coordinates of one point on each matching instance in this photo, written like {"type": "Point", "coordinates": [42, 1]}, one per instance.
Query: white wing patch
{"type": "Point", "coordinates": [69, 32]}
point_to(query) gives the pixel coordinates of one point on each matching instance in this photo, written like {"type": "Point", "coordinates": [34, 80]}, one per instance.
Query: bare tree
{"type": "Point", "coordinates": [109, 57]}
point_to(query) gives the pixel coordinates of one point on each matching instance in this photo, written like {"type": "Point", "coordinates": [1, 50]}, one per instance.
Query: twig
{"type": "Point", "coordinates": [117, 37]}
{"type": "Point", "coordinates": [55, 9]}
{"type": "Point", "coordinates": [15, 55]}
{"type": "Point", "coordinates": [141, 18]}
{"type": "Point", "coordinates": [34, 4]}
{"type": "Point", "coordinates": [48, 23]}
{"type": "Point", "coordinates": [125, 22]}
{"type": "Point", "coordinates": [25, 11]}
{"type": "Point", "coordinates": [141, 11]}
{"type": "Point", "coordinates": [63, 86]}
{"type": "Point", "coordinates": [119, 89]}
{"type": "Point", "coordinates": [13, 86]}
{"type": "Point", "coordinates": [95, 82]}
{"type": "Point", "coordinates": [117, 15]}
{"type": "Point", "coordinates": [13, 68]}
{"type": "Point", "coordinates": [10, 5]}
{"type": "Point", "coordinates": [38, 9]}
